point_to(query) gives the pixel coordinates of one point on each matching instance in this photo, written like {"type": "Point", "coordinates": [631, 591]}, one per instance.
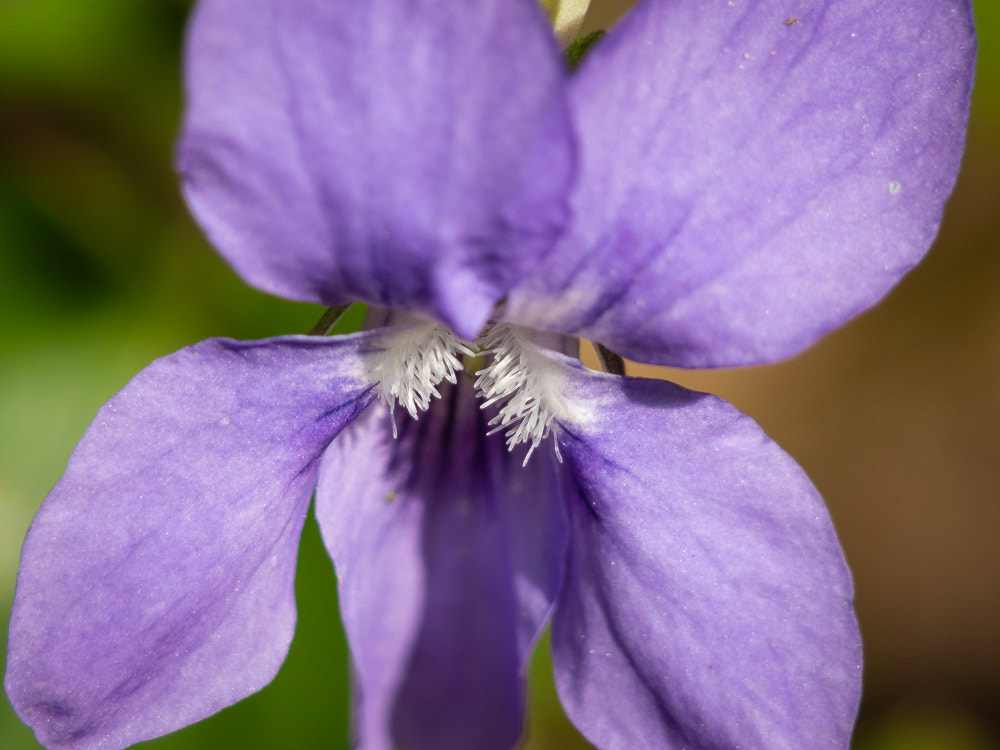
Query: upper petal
{"type": "Point", "coordinates": [707, 603]}
{"type": "Point", "coordinates": [754, 172]}
{"type": "Point", "coordinates": [448, 557]}
{"type": "Point", "coordinates": [410, 154]}
{"type": "Point", "coordinates": [156, 582]}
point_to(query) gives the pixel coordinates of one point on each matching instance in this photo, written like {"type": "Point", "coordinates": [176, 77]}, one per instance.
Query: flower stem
{"type": "Point", "coordinates": [567, 17]}
{"type": "Point", "coordinates": [328, 320]}
{"type": "Point", "coordinates": [610, 362]}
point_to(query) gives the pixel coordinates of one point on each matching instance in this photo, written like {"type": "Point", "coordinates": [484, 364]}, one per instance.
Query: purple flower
{"type": "Point", "coordinates": [719, 184]}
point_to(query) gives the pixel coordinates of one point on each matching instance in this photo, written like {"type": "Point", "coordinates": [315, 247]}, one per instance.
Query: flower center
{"type": "Point", "coordinates": [525, 384]}
{"type": "Point", "coordinates": [412, 364]}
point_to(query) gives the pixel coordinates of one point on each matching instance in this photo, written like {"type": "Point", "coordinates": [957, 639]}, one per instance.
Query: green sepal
{"type": "Point", "coordinates": [581, 46]}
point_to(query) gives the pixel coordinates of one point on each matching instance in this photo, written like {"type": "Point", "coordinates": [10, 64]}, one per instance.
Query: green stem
{"type": "Point", "coordinates": [328, 320]}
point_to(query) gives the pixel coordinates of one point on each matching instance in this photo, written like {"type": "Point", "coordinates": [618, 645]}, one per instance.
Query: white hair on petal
{"type": "Point", "coordinates": [526, 382]}
{"type": "Point", "coordinates": [413, 362]}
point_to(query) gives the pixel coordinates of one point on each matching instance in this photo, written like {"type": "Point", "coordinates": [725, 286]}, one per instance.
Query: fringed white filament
{"type": "Point", "coordinates": [414, 362]}
{"type": "Point", "coordinates": [527, 384]}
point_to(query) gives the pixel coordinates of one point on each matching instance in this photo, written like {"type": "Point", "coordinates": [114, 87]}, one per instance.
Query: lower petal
{"type": "Point", "coordinates": [707, 603]}
{"type": "Point", "coordinates": [449, 556]}
{"type": "Point", "coordinates": [156, 582]}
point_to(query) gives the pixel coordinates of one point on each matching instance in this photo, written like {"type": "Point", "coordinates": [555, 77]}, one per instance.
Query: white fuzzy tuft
{"type": "Point", "coordinates": [527, 382]}
{"type": "Point", "coordinates": [414, 361]}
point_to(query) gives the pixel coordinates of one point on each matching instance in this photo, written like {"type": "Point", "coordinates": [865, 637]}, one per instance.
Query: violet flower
{"type": "Point", "coordinates": [719, 184]}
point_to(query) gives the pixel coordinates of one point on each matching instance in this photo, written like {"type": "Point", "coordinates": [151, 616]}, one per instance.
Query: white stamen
{"type": "Point", "coordinates": [528, 382]}
{"type": "Point", "coordinates": [414, 361]}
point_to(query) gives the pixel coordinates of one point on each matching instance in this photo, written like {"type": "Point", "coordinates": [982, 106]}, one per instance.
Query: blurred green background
{"type": "Point", "coordinates": [896, 417]}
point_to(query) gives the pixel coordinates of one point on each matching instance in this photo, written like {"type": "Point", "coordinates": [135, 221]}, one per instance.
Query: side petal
{"type": "Point", "coordinates": [754, 173]}
{"type": "Point", "coordinates": [707, 603]}
{"type": "Point", "coordinates": [410, 154]}
{"type": "Point", "coordinates": [156, 582]}
{"type": "Point", "coordinates": [449, 557]}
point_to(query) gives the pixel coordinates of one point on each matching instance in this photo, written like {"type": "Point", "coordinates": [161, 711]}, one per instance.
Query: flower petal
{"type": "Point", "coordinates": [156, 582]}
{"type": "Point", "coordinates": [707, 602]}
{"type": "Point", "coordinates": [449, 557]}
{"type": "Point", "coordinates": [754, 173]}
{"type": "Point", "coordinates": [410, 154]}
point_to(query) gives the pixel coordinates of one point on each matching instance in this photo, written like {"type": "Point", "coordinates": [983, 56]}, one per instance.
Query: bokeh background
{"type": "Point", "coordinates": [896, 416]}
